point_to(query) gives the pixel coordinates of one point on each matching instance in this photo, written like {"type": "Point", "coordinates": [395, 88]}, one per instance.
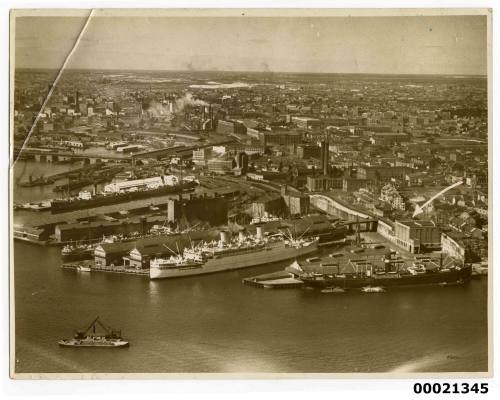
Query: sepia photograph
{"type": "Point", "coordinates": [250, 193]}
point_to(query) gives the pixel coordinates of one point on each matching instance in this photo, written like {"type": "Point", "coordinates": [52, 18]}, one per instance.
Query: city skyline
{"type": "Point", "coordinates": [444, 45]}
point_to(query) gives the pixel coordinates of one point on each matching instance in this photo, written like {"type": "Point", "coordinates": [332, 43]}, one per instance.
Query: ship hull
{"type": "Point", "coordinates": [78, 256]}
{"type": "Point", "coordinates": [58, 206]}
{"type": "Point", "coordinates": [273, 254]}
{"type": "Point", "coordinates": [99, 345]}
{"type": "Point", "coordinates": [462, 275]}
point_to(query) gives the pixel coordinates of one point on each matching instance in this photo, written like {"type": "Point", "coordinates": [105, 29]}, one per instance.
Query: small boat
{"type": "Point", "coordinates": [334, 289]}
{"type": "Point", "coordinates": [110, 338]}
{"type": "Point", "coordinates": [373, 289]}
{"type": "Point", "coordinates": [83, 268]}
{"type": "Point", "coordinates": [456, 283]}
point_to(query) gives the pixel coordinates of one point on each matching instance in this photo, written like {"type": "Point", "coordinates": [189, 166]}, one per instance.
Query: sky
{"type": "Point", "coordinates": [382, 45]}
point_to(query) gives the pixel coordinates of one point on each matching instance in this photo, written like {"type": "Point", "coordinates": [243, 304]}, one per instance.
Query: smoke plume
{"type": "Point", "coordinates": [188, 100]}
{"type": "Point", "coordinates": [158, 109]}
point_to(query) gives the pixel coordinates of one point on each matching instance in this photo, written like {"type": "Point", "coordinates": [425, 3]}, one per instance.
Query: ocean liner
{"type": "Point", "coordinates": [241, 252]}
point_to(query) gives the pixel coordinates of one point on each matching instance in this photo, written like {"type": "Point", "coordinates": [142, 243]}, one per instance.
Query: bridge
{"type": "Point", "coordinates": [54, 155]}
{"type": "Point", "coordinates": [355, 218]}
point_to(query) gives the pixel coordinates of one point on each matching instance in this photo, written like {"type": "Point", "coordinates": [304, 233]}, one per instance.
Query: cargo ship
{"type": "Point", "coordinates": [63, 205]}
{"type": "Point", "coordinates": [75, 184]}
{"type": "Point", "coordinates": [40, 181]}
{"type": "Point", "coordinates": [111, 338]}
{"type": "Point", "coordinates": [241, 252]}
{"type": "Point", "coordinates": [391, 272]}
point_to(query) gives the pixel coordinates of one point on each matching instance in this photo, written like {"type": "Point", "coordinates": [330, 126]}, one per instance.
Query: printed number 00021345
{"type": "Point", "coordinates": [450, 388]}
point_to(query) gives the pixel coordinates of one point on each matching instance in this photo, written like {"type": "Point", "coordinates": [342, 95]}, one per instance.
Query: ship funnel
{"type": "Point", "coordinates": [259, 232]}
{"type": "Point", "coordinates": [223, 236]}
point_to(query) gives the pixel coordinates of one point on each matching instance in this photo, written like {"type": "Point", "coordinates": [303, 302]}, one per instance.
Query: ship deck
{"type": "Point", "coordinates": [115, 270]}
{"type": "Point", "coordinates": [275, 280]}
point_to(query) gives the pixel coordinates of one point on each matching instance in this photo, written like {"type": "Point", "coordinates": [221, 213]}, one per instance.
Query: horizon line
{"type": "Point", "coordinates": [256, 72]}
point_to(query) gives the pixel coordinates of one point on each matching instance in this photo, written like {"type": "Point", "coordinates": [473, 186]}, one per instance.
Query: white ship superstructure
{"type": "Point", "coordinates": [241, 252]}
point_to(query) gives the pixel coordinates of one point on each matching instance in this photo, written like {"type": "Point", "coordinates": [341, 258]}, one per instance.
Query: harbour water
{"type": "Point", "coordinates": [215, 323]}
{"type": "Point", "coordinates": [23, 169]}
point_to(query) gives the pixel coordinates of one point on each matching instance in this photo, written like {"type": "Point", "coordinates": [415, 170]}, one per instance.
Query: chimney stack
{"type": "Point", "coordinates": [211, 116]}
{"type": "Point", "coordinates": [259, 232]}
{"type": "Point", "coordinates": [325, 156]}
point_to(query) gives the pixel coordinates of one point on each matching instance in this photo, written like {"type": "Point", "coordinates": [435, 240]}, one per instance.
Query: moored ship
{"type": "Point", "coordinates": [371, 277]}
{"type": "Point", "coordinates": [75, 252]}
{"type": "Point", "coordinates": [111, 338]}
{"type": "Point", "coordinates": [243, 252]}
{"type": "Point", "coordinates": [63, 205]}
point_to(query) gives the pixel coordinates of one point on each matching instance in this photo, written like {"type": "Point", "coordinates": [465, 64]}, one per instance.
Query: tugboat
{"type": "Point", "coordinates": [88, 338]}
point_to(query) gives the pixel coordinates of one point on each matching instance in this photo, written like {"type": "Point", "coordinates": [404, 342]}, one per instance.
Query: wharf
{"type": "Point", "coordinates": [31, 240]}
{"type": "Point", "coordinates": [50, 179]}
{"type": "Point", "coordinates": [479, 271]}
{"type": "Point", "coordinates": [274, 280]}
{"type": "Point", "coordinates": [42, 219]}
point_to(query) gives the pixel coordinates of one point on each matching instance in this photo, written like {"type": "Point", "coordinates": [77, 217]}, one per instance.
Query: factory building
{"type": "Point", "coordinates": [201, 156]}
{"type": "Point", "coordinates": [221, 165]}
{"type": "Point", "coordinates": [268, 204]}
{"type": "Point", "coordinates": [323, 183]}
{"type": "Point", "coordinates": [306, 122]}
{"type": "Point", "coordinates": [417, 236]}
{"type": "Point", "coordinates": [230, 127]}
{"type": "Point", "coordinates": [213, 210]}
{"type": "Point", "coordinates": [353, 184]}
{"type": "Point", "coordinates": [269, 138]}
{"type": "Point", "coordinates": [297, 203]}
{"type": "Point", "coordinates": [241, 163]}
{"type": "Point", "coordinates": [382, 173]}
{"type": "Point", "coordinates": [308, 151]}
